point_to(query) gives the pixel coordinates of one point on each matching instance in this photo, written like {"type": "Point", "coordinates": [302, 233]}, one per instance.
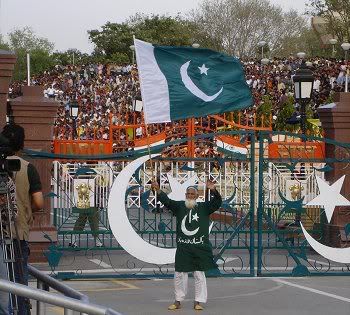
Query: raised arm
{"type": "Point", "coordinates": [164, 199]}
{"type": "Point", "coordinates": [215, 203]}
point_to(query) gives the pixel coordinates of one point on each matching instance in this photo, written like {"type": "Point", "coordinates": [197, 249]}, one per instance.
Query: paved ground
{"type": "Point", "coordinates": [231, 296]}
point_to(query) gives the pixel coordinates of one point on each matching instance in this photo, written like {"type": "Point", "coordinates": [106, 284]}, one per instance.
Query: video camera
{"type": "Point", "coordinates": [7, 165]}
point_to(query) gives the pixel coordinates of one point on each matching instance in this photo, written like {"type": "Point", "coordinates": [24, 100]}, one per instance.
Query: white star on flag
{"type": "Point", "coordinates": [203, 69]}
{"type": "Point", "coordinates": [178, 190]}
{"type": "Point", "coordinates": [329, 196]}
{"type": "Point", "coordinates": [195, 217]}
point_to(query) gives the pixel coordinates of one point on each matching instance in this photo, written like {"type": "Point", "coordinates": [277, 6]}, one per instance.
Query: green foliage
{"type": "Point", "coordinates": [307, 41]}
{"type": "Point", "coordinates": [3, 45]}
{"type": "Point", "coordinates": [25, 39]}
{"type": "Point", "coordinates": [263, 112]}
{"type": "Point", "coordinates": [40, 61]}
{"type": "Point", "coordinates": [114, 39]}
{"type": "Point", "coordinates": [67, 57]}
{"type": "Point", "coordinates": [336, 14]}
{"type": "Point", "coordinates": [161, 30]}
{"type": "Point", "coordinates": [118, 58]}
{"type": "Point", "coordinates": [286, 112]}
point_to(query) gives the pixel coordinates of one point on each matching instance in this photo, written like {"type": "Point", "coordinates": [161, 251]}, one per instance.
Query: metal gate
{"type": "Point", "coordinates": [284, 193]}
{"type": "Point", "coordinates": [255, 233]}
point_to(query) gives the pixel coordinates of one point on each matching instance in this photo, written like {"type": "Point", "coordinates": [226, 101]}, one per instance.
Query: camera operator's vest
{"type": "Point", "coordinates": [24, 218]}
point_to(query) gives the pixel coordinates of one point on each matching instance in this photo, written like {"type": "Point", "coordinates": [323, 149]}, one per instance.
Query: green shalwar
{"type": "Point", "coordinates": [194, 251]}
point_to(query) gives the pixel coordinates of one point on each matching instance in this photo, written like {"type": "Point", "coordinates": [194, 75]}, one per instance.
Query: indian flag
{"type": "Point", "coordinates": [182, 82]}
{"type": "Point", "coordinates": [229, 146]}
{"type": "Point", "coordinates": [149, 141]}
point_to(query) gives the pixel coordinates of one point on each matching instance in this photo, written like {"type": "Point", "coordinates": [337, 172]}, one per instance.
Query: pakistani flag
{"type": "Point", "coordinates": [183, 82]}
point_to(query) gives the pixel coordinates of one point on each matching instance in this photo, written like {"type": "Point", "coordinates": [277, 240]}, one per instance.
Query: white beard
{"type": "Point", "coordinates": [190, 203]}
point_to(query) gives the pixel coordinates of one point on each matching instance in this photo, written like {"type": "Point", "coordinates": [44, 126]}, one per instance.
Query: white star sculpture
{"type": "Point", "coordinates": [329, 196]}
{"type": "Point", "coordinates": [178, 190]}
{"type": "Point", "coordinates": [203, 69]}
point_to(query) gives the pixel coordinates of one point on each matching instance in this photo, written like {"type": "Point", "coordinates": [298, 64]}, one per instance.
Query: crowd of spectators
{"type": "Point", "coordinates": [106, 96]}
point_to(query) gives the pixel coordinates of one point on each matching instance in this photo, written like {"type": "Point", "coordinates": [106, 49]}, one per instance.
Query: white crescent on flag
{"type": "Point", "coordinates": [193, 88]}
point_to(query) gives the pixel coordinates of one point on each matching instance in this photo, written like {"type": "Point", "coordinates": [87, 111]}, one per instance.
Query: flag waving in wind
{"type": "Point", "coordinates": [182, 82]}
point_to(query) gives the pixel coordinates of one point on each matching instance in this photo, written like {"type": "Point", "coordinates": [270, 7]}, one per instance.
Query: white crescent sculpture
{"type": "Point", "coordinates": [120, 224]}
{"type": "Point", "coordinates": [340, 255]}
{"type": "Point", "coordinates": [193, 88]}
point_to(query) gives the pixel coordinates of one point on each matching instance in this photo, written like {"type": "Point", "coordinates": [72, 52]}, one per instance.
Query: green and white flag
{"type": "Point", "coordinates": [182, 82]}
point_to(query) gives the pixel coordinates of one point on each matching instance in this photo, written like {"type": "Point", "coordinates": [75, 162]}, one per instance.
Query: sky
{"type": "Point", "coordinates": [65, 22]}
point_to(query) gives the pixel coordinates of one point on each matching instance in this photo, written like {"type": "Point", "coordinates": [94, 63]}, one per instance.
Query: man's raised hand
{"type": "Point", "coordinates": [210, 185]}
{"type": "Point", "coordinates": [154, 186]}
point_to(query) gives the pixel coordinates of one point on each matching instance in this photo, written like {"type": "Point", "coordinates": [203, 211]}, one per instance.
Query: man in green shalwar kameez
{"type": "Point", "coordinates": [194, 252]}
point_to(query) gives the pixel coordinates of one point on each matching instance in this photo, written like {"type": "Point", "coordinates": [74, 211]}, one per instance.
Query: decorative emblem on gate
{"type": "Point", "coordinates": [121, 226]}
{"type": "Point", "coordinates": [329, 198]}
{"type": "Point", "coordinates": [83, 190]}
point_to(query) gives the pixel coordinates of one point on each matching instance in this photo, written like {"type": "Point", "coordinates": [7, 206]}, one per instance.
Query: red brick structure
{"type": "Point", "coordinates": [335, 119]}
{"type": "Point", "coordinates": [35, 114]}
{"type": "Point", "coordinates": [7, 65]}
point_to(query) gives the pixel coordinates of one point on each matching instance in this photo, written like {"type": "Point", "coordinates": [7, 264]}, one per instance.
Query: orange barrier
{"type": "Point", "coordinates": [83, 147]}
{"type": "Point", "coordinates": [297, 150]}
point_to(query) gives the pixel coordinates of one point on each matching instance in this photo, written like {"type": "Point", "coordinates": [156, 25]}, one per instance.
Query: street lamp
{"type": "Point", "coordinates": [265, 61]}
{"type": "Point", "coordinates": [301, 55]}
{"type": "Point", "coordinates": [303, 85]}
{"type": "Point", "coordinates": [346, 47]}
{"type": "Point", "coordinates": [132, 47]}
{"type": "Point", "coordinates": [261, 44]}
{"type": "Point", "coordinates": [195, 45]}
{"type": "Point", "coordinates": [333, 41]}
{"type": "Point", "coordinates": [73, 112]}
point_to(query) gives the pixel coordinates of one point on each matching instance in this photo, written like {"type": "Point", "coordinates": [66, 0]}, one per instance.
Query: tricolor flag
{"type": "Point", "coordinates": [230, 146]}
{"type": "Point", "coordinates": [149, 141]}
{"type": "Point", "coordinates": [182, 82]}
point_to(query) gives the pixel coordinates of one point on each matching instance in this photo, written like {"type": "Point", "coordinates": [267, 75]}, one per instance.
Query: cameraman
{"type": "Point", "coordinates": [29, 198]}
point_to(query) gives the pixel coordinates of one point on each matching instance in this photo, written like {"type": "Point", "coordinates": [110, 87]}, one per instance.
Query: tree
{"type": "Point", "coordinates": [336, 14]}
{"type": "Point", "coordinates": [24, 41]}
{"type": "Point", "coordinates": [115, 39]}
{"type": "Point", "coordinates": [161, 30]}
{"type": "Point", "coordinates": [308, 42]}
{"type": "Point", "coordinates": [283, 116]}
{"type": "Point", "coordinates": [3, 44]}
{"type": "Point", "coordinates": [264, 111]}
{"type": "Point", "coordinates": [70, 56]}
{"type": "Point", "coordinates": [236, 26]}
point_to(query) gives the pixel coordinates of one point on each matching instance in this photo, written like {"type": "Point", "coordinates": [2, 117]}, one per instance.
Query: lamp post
{"type": "Point", "coordinates": [303, 85]}
{"type": "Point", "coordinates": [195, 45]}
{"type": "Point", "coordinates": [261, 44]}
{"type": "Point", "coordinates": [132, 47]}
{"type": "Point", "coordinates": [265, 61]}
{"type": "Point", "coordinates": [301, 55]}
{"type": "Point", "coordinates": [73, 112]}
{"type": "Point", "coordinates": [333, 41]}
{"type": "Point", "coordinates": [346, 47]}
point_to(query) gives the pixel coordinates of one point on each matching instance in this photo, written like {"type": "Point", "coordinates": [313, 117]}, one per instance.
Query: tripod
{"type": "Point", "coordinates": [8, 213]}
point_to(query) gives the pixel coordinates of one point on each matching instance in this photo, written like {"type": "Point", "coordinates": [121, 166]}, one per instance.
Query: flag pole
{"type": "Point", "coordinates": [149, 151]}
{"type": "Point", "coordinates": [146, 129]}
